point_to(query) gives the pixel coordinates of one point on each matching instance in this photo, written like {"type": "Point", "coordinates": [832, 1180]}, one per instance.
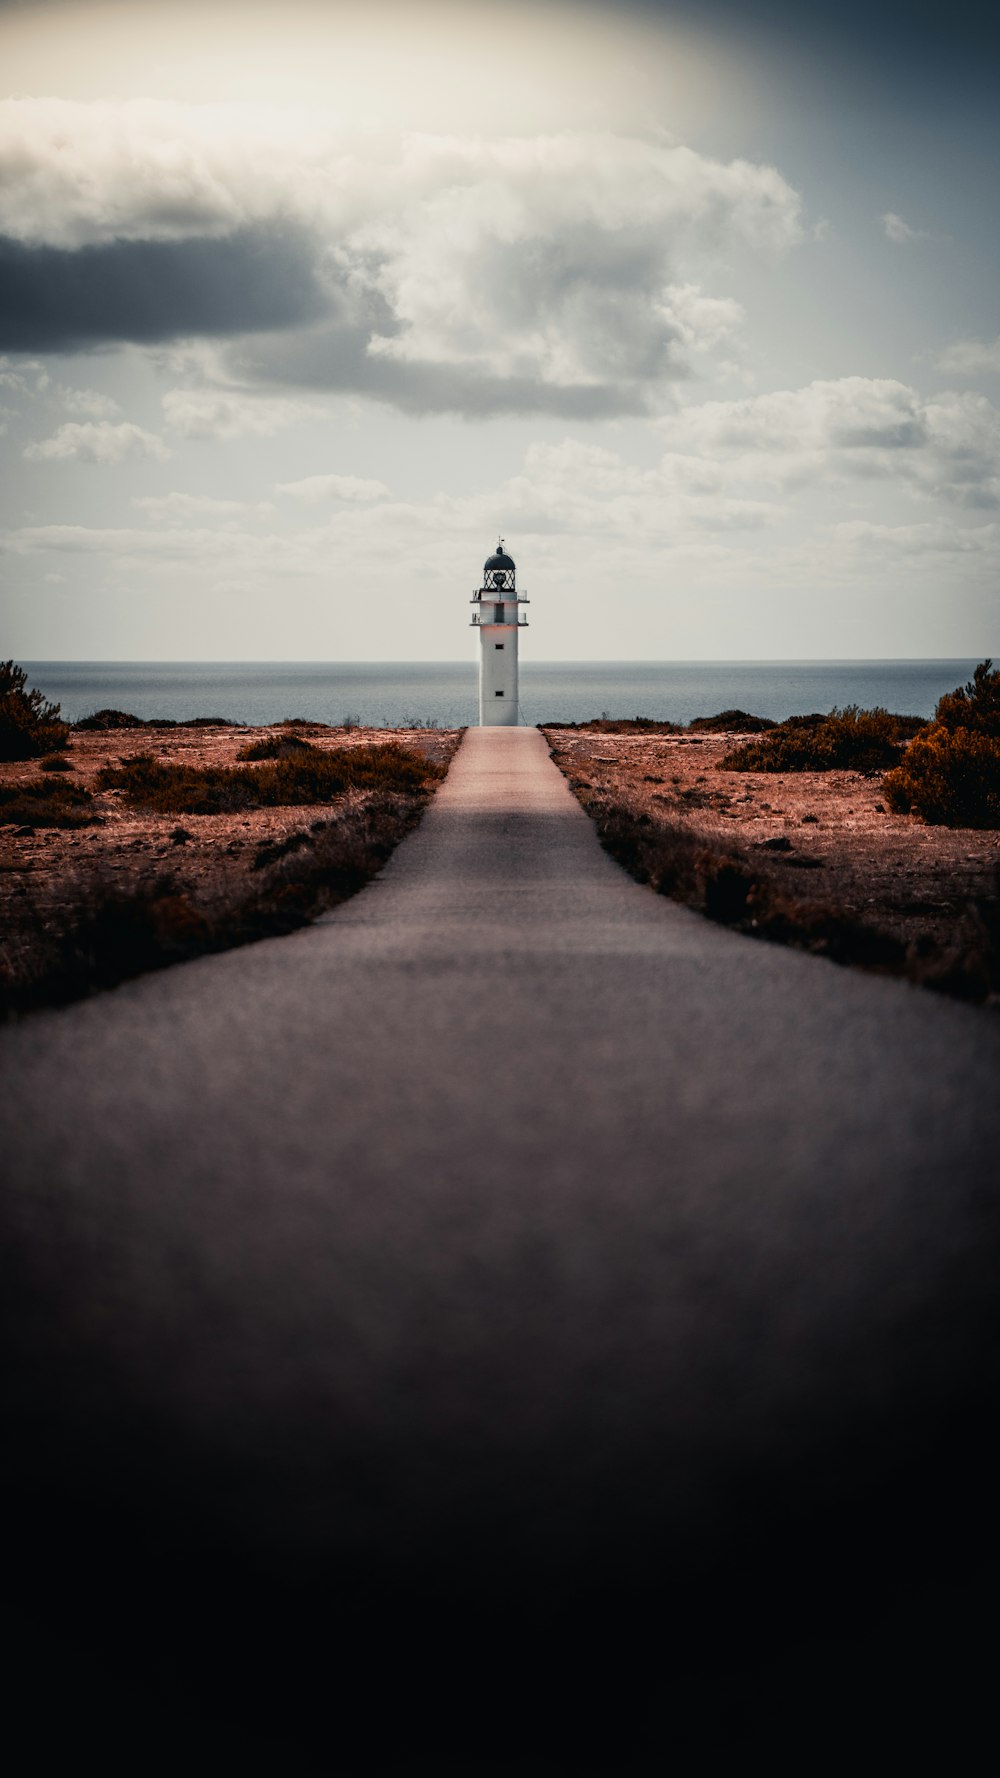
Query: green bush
{"type": "Point", "coordinates": [950, 773]}
{"type": "Point", "coordinates": [29, 724]}
{"type": "Point", "coordinates": [314, 778]}
{"type": "Point", "coordinates": [46, 802]}
{"type": "Point", "coordinates": [847, 740]}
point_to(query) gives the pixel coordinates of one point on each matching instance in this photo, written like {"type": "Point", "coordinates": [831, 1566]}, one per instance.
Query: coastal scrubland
{"type": "Point", "coordinates": [863, 836]}
{"type": "Point", "coordinates": [139, 845]}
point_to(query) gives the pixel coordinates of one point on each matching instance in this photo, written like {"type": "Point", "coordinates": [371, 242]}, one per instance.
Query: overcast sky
{"type": "Point", "coordinates": [301, 305]}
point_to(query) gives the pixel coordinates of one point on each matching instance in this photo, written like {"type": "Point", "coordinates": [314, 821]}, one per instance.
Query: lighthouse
{"type": "Point", "coordinates": [496, 618]}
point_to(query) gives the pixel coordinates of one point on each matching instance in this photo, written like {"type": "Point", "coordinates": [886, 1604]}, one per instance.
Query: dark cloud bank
{"type": "Point", "coordinates": [58, 300]}
{"type": "Point", "coordinates": [263, 289]}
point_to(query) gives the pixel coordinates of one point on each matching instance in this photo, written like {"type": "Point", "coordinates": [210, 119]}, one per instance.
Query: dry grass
{"type": "Point", "coordinates": [134, 889]}
{"type": "Point", "coordinates": [811, 859]}
{"type": "Point", "coordinates": [45, 802]}
{"type": "Point", "coordinates": [293, 775]}
{"type": "Point", "coordinates": [92, 933]}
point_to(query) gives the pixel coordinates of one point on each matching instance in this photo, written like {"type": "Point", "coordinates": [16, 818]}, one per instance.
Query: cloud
{"type": "Point", "coordinates": [562, 272]}
{"type": "Point", "coordinates": [97, 441]}
{"type": "Point", "coordinates": [59, 300]}
{"type": "Point", "coordinates": [223, 413]}
{"type": "Point", "coordinates": [315, 490]}
{"type": "Point", "coordinates": [931, 538]}
{"type": "Point", "coordinates": [971, 358]}
{"type": "Point", "coordinates": [177, 508]}
{"type": "Point", "coordinates": [130, 543]}
{"type": "Point", "coordinates": [79, 174]}
{"type": "Point", "coordinates": [851, 413]}
{"type": "Point", "coordinates": [589, 510]}
{"type": "Point", "coordinates": [87, 401]}
{"type": "Point", "coordinates": [899, 231]}
{"type": "Point", "coordinates": [849, 428]}
{"type": "Point", "coordinates": [16, 377]}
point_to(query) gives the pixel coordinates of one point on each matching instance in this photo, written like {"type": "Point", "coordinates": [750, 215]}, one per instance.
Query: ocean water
{"type": "Point", "coordinates": [445, 693]}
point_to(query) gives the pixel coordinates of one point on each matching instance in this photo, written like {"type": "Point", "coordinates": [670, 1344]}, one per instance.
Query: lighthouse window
{"type": "Point", "coordinates": [498, 694]}
{"type": "Point", "coordinates": [498, 644]}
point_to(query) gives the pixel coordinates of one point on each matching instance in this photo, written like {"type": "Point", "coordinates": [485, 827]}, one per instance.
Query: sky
{"type": "Point", "coordinates": [301, 306]}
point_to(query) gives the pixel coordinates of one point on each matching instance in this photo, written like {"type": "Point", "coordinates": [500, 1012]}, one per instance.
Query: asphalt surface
{"type": "Point", "coordinates": [513, 1325]}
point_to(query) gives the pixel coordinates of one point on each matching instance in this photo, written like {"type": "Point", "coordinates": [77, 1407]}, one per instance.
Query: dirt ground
{"type": "Point", "coordinates": [128, 845]}
{"type": "Point", "coordinates": [838, 847]}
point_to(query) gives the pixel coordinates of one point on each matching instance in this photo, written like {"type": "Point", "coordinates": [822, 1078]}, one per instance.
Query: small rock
{"type": "Point", "coordinates": [23, 833]}
{"type": "Point", "coordinates": [807, 819]}
{"type": "Point", "coordinates": [880, 808]}
{"type": "Point", "coordinates": [780, 843]}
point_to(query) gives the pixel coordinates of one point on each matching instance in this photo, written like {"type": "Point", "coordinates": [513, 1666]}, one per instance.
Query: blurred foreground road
{"type": "Point", "coordinates": [513, 1326]}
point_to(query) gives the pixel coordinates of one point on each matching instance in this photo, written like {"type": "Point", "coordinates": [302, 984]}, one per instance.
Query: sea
{"type": "Point", "coordinates": [444, 694]}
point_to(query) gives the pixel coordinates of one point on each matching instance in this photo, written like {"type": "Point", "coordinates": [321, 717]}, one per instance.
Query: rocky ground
{"type": "Point", "coordinates": [822, 847]}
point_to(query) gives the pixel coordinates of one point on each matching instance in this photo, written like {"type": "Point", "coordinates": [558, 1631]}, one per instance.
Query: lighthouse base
{"type": "Point", "coordinates": [498, 700]}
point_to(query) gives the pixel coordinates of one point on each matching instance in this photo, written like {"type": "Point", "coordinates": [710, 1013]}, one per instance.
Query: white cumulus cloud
{"type": "Point", "coordinates": [947, 446]}
{"type": "Point", "coordinates": [472, 273]}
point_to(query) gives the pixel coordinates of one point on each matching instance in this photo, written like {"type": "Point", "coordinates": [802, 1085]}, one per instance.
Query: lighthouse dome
{"type": "Point", "coordinates": [499, 559]}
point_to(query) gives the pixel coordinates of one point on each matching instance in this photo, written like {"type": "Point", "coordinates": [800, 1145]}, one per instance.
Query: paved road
{"type": "Point", "coordinates": [513, 1319]}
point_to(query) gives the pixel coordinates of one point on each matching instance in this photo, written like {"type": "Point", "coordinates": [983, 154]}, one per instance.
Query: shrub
{"type": "Point", "coordinates": [46, 802]}
{"type": "Point", "coordinates": [846, 740]}
{"type": "Point", "coordinates": [949, 776]}
{"type": "Point", "coordinates": [975, 706]}
{"type": "Point", "coordinates": [29, 724]}
{"type": "Point", "coordinates": [950, 773]}
{"type": "Point", "coordinates": [623, 725]}
{"type": "Point", "coordinates": [105, 720]}
{"type": "Point", "coordinates": [275, 747]}
{"type": "Point", "coordinates": [102, 720]}
{"type": "Point", "coordinates": [315, 777]}
{"type": "Point", "coordinates": [733, 722]}
{"type": "Point", "coordinates": [55, 762]}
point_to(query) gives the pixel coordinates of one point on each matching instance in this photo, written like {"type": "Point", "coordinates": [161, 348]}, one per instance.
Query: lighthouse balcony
{"type": "Point", "coordinates": [515, 623]}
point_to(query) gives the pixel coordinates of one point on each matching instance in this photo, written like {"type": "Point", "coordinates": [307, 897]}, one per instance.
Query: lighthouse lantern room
{"type": "Point", "coordinates": [498, 621]}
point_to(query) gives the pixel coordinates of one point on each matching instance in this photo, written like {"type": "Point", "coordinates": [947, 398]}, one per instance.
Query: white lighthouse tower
{"type": "Point", "coordinates": [496, 617]}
